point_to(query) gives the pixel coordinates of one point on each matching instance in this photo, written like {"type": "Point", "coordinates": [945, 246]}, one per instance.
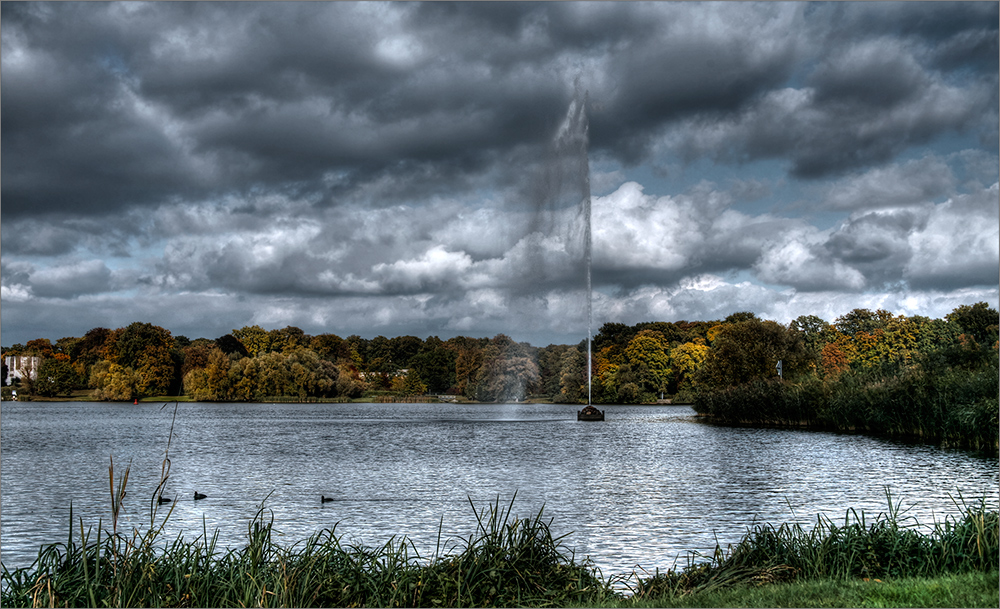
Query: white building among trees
{"type": "Point", "coordinates": [22, 367]}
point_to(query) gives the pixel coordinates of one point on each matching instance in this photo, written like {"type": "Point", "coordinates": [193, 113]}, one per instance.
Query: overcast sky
{"type": "Point", "coordinates": [363, 168]}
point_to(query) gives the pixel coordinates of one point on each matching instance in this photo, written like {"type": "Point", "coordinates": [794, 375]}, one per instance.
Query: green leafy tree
{"type": "Point", "coordinates": [750, 350]}
{"type": "Point", "coordinates": [606, 366]}
{"type": "Point", "coordinates": [274, 378]}
{"type": "Point", "coordinates": [412, 385]}
{"type": "Point", "coordinates": [573, 377]}
{"type": "Point", "coordinates": [978, 320]}
{"type": "Point", "coordinates": [55, 377]}
{"type": "Point", "coordinates": [217, 380]}
{"type": "Point", "coordinates": [403, 349]}
{"type": "Point", "coordinates": [936, 336]}
{"type": "Point", "coordinates": [379, 357]}
{"type": "Point", "coordinates": [613, 334]}
{"type": "Point", "coordinates": [66, 346]}
{"type": "Point", "coordinates": [196, 385]}
{"type": "Point", "coordinates": [243, 379]}
{"type": "Point", "coordinates": [310, 375]}
{"type": "Point", "coordinates": [349, 382]}
{"type": "Point", "coordinates": [436, 368]}
{"type": "Point", "coordinates": [550, 370]}
{"type": "Point", "coordinates": [862, 320]}
{"type": "Point", "coordinates": [148, 351]}
{"type": "Point", "coordinates": [288, 339]}
{"type": "Point", "coordinates": [256, 340]}
{"type": "Point", "coordinates": [737, 317]}
{"type": "Point", "coordinates": [468, 361]}
{"type": "Point", "coordinates": [89, 350]}
{"type": "Point", "coordinates": [687, 359]}
{"type": "Point", "coordinates": [815, 332]}
{"type": "Point", "coordinates": [114, 382]}
{"type": "Point", "coordinates": [628, 383]}
{"type": "Point", "coordinates": [647, 354]}
{"type": "Point", "coordinates": [331, 347]}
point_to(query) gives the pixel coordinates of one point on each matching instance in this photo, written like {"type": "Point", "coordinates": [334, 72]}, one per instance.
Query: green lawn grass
{"type": "Point", "coordinates": [964, 590]}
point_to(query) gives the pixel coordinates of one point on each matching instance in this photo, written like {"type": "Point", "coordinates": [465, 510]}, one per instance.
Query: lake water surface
{"type": "Point", "coordinates": [642, 488]}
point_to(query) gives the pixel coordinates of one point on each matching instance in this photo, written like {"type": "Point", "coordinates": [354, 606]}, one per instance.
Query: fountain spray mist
{"type": "Point", "coordinates": [587, 241]}
{"type": "Point", "coordinates": [565, 184]}
{"type": "Point", "coordinates": [577, 132]}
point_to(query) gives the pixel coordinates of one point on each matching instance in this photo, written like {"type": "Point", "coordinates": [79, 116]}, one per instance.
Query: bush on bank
{"type": "Point", "coordinates": [951, 401]}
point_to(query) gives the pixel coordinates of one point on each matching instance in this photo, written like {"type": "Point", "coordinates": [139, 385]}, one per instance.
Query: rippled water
{"type": "Point", "coordinates": [642, 488]}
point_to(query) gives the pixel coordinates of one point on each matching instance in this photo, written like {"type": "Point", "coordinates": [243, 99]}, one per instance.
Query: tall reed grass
{"type": "Point", "coordinates": [888, 546]}
{"type": "Point", "coordinates": [507, 562]}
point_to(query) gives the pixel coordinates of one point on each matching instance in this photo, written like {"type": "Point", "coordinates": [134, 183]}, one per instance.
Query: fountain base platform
{"type": "Point", "coordinates": [590, 414]}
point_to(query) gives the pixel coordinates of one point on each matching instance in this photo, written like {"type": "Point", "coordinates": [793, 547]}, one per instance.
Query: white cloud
{"type": "Point", "coordinates": [435, 267]}
{"type": "Point", "coordinates": [800, 263]}
{"type": "Point", "coordinates": [16, 292]}
{"type": "Point", "coordinates": [960, 243]}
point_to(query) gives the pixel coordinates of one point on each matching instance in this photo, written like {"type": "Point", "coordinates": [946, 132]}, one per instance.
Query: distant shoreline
{"type": "Point", "coordinates": [87, 396]}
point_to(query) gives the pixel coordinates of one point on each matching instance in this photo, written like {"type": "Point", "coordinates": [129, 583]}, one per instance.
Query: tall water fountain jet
{"type": "Point", "coordinates": [577, 132]}
{"type": "Point", "coordinates": [560, 199]}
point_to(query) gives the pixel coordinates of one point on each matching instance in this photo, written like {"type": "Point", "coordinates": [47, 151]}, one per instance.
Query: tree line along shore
{"type": "Point", "coordinates": [869, 371]}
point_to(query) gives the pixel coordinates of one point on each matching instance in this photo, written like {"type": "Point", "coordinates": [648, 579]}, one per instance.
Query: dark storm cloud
{"type": "Point", "coordinates": [874, 237]}
{"type": "Point", "coordinates": [912, 183]}
{"type": "Point", "coordinates": [191, 100]}
{"type": "Point", "coordinates": [691, 67]}
{"type": "Point", "coordinates": [874, 90]}
{"type": "Point", "coordinates": [144, 104]}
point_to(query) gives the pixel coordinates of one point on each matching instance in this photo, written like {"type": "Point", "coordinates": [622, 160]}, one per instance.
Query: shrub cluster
{"type": "Point", "coordinates": [950, 400]}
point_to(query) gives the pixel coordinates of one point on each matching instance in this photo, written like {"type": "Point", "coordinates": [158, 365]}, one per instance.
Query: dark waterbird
{"type": "Point", "coordinates": [324, 498]}
{"type": "Point", "coordinates": [161, 499]}
{"type": "Point", "coordinates": [198, 496]}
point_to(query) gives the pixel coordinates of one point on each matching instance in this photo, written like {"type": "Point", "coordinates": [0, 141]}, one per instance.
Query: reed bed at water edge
{"type": "Point", "coordinates": [507, 562]}
{"type": "Point", "coordinates": [888, 546]}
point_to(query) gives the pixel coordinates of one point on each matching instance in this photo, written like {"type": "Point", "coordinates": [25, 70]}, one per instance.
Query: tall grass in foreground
{"type": "Point", "coordinates": [888, 546]}
{"type": "Point", "coordinates": [508, 561]}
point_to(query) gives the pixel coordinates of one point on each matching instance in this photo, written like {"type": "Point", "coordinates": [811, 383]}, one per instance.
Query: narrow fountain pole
{"type": "Point", "coordinates": [587, 244]}
{"type": "Point", "coordinates": [589, 413]}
